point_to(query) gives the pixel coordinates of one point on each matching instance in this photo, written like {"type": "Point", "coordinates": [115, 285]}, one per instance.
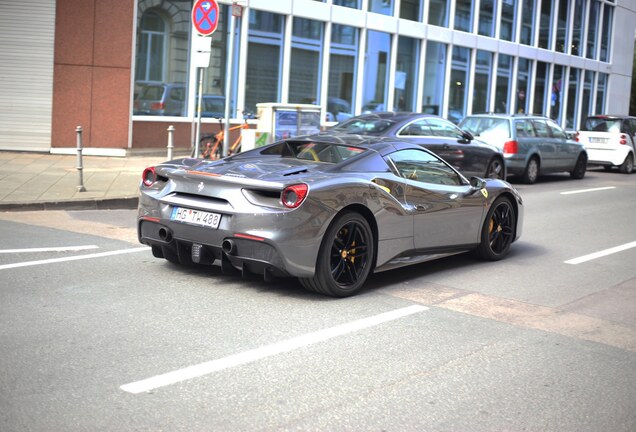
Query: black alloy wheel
{"type": "Point", "coordinates": [345, 257]}
{"type": "Point", "coordinates": [498, 231]}
{"type": "Point", "coordinates": [628, 165]}
{"type": "Point", "coordinates": [579, 169]}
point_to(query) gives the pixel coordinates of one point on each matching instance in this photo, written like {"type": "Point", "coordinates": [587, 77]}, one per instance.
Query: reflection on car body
{"type": "Point", "coordinates": [328, 210]}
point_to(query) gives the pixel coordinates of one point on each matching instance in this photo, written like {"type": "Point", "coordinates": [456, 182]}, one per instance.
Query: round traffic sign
{"type": "Point", "coordinates": [205, 16]}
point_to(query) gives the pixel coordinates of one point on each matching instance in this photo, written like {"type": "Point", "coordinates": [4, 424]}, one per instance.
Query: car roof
{"type": "Point", "coordinates": [380, 144]}
{"type": "Point", "coordinates": [611, 116]}
{"type": "Point", "coordinates": [509, 116]}
{"type": "Point", "coordinates": [396, 116]}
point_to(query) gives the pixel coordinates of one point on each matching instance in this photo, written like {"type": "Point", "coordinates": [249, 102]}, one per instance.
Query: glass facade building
{"type": "Point", "coordinates": [446, 57]}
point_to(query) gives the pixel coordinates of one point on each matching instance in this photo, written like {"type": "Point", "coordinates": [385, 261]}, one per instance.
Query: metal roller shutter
{"type": "Point", "coordinates": [27, 31]}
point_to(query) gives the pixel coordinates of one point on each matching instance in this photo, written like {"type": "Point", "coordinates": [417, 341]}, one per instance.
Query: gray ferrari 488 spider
{"type": "Point", "coordinates": [328, 210]}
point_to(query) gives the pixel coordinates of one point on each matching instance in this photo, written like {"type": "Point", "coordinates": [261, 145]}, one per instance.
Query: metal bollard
{"type": "Point", "coordinates": [170, 141]}
{"type": "Point", "coordinates": [80, 166]}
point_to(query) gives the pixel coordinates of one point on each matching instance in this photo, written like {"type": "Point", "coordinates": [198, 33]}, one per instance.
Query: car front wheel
{"type": "Point", "coordinates": [496, 169]}
{"type": "Point", "coordinates": [531, 174]}
{"type": "Point", "coordinates": [579, 169]}
{"type": "Point", "coordinates": [498, 230]}
{"type": "Point", "coordinates": [345, 257]}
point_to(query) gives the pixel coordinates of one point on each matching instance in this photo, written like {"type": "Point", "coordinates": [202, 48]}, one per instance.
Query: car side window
{"type": "Point", "coordinates": [422, 166]}
{"type": "Point", "coordinates": [417, 128]}
{"type": "Point", "coordinates": [524, 129]}
{"type": "Point", "coordinates": [443, 128]}
{"type": "Point", "coordinates": [556, 130]}
{"type": "Point", "coordinates": [541, 128]}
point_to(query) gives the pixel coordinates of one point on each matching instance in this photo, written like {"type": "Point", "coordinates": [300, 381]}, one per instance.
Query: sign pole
{"type": "Point", "coordinates": [228, 88]}
{"type": "Point", "coordinates": [200, 93]}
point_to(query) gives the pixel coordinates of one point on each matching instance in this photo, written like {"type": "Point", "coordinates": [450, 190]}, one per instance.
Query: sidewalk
{"type": "Point", "coordinates": [42, 181]}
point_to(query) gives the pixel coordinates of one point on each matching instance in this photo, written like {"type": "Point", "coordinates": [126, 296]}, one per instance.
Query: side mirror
{"type": "Point", "coordinates": [466, 138]}
{"type": "Point", "coordinates": [477, 183]}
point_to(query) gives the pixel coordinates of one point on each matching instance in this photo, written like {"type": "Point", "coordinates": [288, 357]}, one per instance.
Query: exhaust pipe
{"type": "Point", "coordinates": [228, 246]}
{"type": "Point", "coordinates": [165, 234]}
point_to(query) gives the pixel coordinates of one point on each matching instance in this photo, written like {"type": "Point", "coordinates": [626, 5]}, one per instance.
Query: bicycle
{"type": "Point", "coordinates": [211, 146]}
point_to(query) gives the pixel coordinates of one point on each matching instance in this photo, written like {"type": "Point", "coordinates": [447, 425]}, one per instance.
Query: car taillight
{"type": "Point", "coordinates": [511, 147]}
{"type": "Point", "coordinates": [158, 106]}
{"type": "Point", "coordinates": [575, 137]}
{"type": "Point", "coordinates": [294, 195]}
{"type": "Point", "coordinates": [149, 176]}
{"type": "Point", "coordinates": [623, 139]}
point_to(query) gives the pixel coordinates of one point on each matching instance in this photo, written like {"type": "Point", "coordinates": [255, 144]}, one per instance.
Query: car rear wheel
{"type": "Point", "coordinates": [496, 169]}
{"type": "Point", "coordinates": [628, 165]}
{"type": "Point", "coordinates": [345, 257]}
{"type": "Point", "coordinates": [498, 231]}
{"type": "Point", "coordinates": [531, 174]}
{"type": "Point", "coordinates": [579, 169]}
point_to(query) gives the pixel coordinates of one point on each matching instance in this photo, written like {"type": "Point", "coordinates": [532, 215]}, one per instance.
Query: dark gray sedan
{"type": "Point", "coordinates": [328, 210]}
{"type": "Point", "coordinates": [457, 147]}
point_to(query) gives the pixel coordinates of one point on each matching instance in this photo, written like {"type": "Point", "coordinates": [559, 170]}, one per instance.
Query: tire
{"type": "Point", "coordinates": [580, 168]}
{"type": "Point", "coordinates": [345, 257]}
{"type": "Point", "coordinates": [496, 169]}
{"type": "Point", "coordinates": [627, 167]}
{"type": "Point", "coordinates": [531, 173]}
{"type": "Point", "coordinates": [498, 231]}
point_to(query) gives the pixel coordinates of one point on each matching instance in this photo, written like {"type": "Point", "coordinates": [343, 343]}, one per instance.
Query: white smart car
{"type": "Point", "coordinates": [610, 141]}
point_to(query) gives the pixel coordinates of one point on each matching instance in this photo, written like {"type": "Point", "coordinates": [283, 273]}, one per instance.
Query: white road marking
{"type": "Point", "coordinates": [588, 190]}
{"type": "Point", "coordinates": [50, 249]}
{"type": "Point", "coordinates": [73, 258]}
{"type": "Point", "coordinates": [266, 351]}
{"type": "Point", "coordinates": [602, 253]}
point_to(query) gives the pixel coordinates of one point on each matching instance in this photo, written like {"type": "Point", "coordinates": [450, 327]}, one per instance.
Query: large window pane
{"type": "Point", "coordinates": [161, 59]}
{"type": "Point", "coordinates": [342, 72]}
{"type": "Point", "coordinates": [264, 58]}
{"type": "Point", "coordinates": [577, 29]}
{"type": "Point", "coordinates": [592, 32]}
{"type": "Point", "coordinates": [600, 93]}
{"type": "Point", "coordinates": [384, 7]}
{"type": "Point", "coordinates": [508, 20]}
{"type": "Point", "coordinates": [545, 24]}
{"type": "Point", "coordinates": [557, 93]}
{"type": "Point", "coordinates": [573, 99]}
{"type": "Point", "coordinates": [305, 62]}
{"type": "Point", "coordinates": [586, 104]}
{"type": "Point", "coordinates": [483, 70]}
{"type": "Point", "coordinates": [527, 22]}
{"type": "Point", "coordinates": [376, 70]}
{"type": "Point", "coordinates": [458, 84]}
{"type": "Point", "coordinates": [504, 78]}
{"type": "Point", "coordinates": [348, 3]}
{"type": "Point", "coordinates": [438, 12]}
{"type": "Point", "coordinates": [523, 86]}
{"type": "Point", "coordinates": [540, 88]}
{"type": "Point", "coordinates": [464, 15]}
{"type": "Point", "coordinates": [608, 14]}
{"type": "Point", "coordinates": [562, 27]}
{"type": "Point", "coordinates": [487, 18]}
{"type": "Point", "coordinates": [405, 73]}
{"type": "Point", "coordinates": [434, 78]}
{"type": "Point", "coordinates": [410, 9]}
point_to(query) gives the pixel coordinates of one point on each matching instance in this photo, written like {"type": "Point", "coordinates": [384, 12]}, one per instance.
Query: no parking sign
{"type": "Point", "coordinates": [205, 16]}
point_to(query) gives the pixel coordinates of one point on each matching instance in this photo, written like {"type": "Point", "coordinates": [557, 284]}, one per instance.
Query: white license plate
{"type": "Point", "coordinates": [196, 217]}
{"type": "Point", "coordinates": [598, 140]}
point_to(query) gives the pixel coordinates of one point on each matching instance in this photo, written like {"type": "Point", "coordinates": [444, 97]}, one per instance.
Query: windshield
{"type": "Point", "coordinates": [486, 126]}
{"type": "Point", "coordinates": [370, 126]}
{"type": "Point", "coordinates": [314, 151]}
{"type": "Point", "coordinates": [598, 124]}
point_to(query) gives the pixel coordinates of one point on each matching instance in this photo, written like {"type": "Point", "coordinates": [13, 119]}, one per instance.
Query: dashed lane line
{"type": "Point", "coordinates": [49, 249]}
{"type": "Point", "coordinates": [72, 258]}
{"type": "Point", "coordinates": [588, 190]}
{"type": "Point", "coordinates": [267, 351]}
{"type": "Point", "coordinates": [601, 254]}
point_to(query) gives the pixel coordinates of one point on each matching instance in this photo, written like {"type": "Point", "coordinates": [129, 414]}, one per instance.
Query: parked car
{"type": "Point", "coordinates": [610, 141]}
{"type": "Point", "coordinates": [326, 209]}
{"type": "Point", "coordinates": [160, 99]}
{"type": "Point", "coordinates": [457, 147]}
{"type": "Point", "coordinates": [532, 145]}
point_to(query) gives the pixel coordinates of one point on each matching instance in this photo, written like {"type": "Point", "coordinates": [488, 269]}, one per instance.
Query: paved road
{"type": "Point", "coordinates": [102, 336]}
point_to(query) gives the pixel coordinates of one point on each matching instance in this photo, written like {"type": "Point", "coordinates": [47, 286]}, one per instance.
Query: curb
{"type": "Point", "coordinates": [92, 204]}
